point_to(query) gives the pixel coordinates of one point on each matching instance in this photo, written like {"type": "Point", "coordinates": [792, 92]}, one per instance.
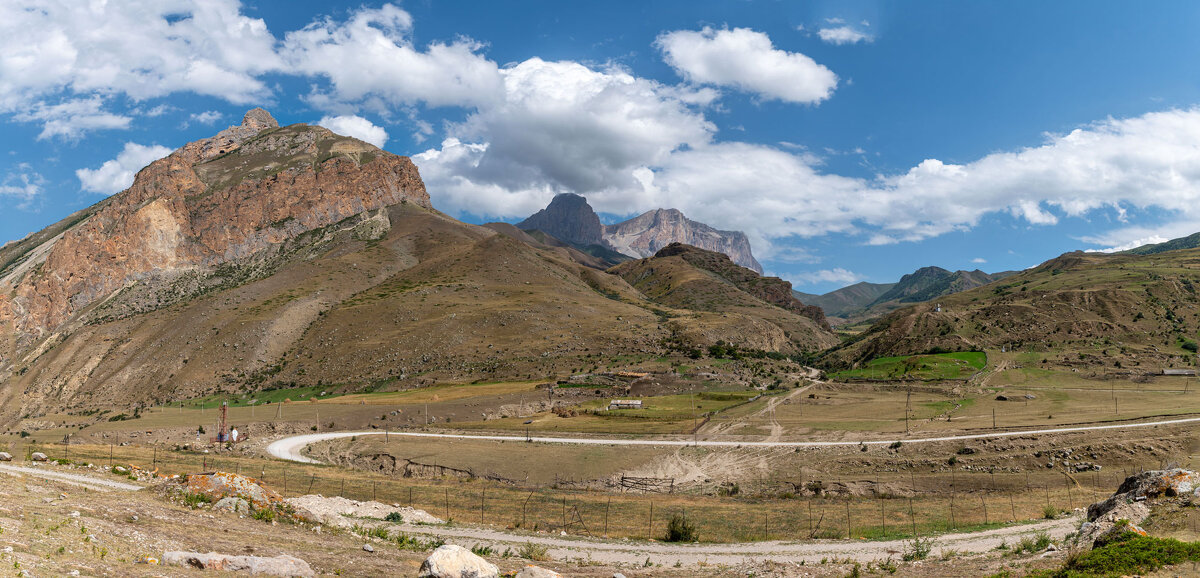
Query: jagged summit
{"type": "Point", "coordinates": [259, 119]}
{"type": "Point", "coordinates": [568, 218]}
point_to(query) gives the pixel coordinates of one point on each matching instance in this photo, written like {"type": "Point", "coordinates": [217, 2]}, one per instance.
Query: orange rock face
{"type": "Point", "coordinates": [213, 201]}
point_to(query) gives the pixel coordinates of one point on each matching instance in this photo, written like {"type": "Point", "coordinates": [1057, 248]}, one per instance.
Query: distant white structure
{"type": "Point", "coordinates": [938, 309]}
{"type": "Point", "coordinates": [625, 404]}
{"type": "Point", "coordinates": [1189, 372]}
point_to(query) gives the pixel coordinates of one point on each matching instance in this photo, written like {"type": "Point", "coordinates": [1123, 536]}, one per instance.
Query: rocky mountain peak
{"type": "Point", "coordinates": [645, 234]}
{"type": "Point", "coordinates": [248, 189]}
{"type": "Point", "coordinates": [259, 119]}
{"type": "Point", "coordinates": [568, 218]}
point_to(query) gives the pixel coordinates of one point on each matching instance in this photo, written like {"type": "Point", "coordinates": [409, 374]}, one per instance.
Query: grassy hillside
{"type": "Point", "coordinates": [726, 302]}
{"type": "Point", "coordinates": [1115, 313]}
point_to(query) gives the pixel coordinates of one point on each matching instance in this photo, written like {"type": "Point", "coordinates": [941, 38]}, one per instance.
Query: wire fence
{"type": "Point", "coordinates": [902, 506]}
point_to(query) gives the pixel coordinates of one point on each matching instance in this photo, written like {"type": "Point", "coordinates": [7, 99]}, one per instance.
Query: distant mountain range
{"type": "Point", "coordinates": [569, 218]}
{"type": "Point", "coordinates": [865, 301]}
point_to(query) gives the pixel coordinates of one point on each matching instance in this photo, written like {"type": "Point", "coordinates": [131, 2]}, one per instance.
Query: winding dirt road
{"type": "Point", "coordinates": [290, 448]}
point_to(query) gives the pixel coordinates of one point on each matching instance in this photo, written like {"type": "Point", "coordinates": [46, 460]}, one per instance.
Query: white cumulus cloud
{"type": "Point", "coordinates": [370, 60]}
{"type": "Point", "coordinates": [561, 126]}
{"type": "Point", "coordinates": [357, 127]}
{"type": "Point", "coordinates": [117, 174]}
{"type": "Point", "coordinates": [73, 118]}
{"type": "Point", "coordinates": [140, 48]}
{"type": "Point", "coordinates": [837, 275]}
{"type": "Point", "coordinates": [844, 35]}
{"type": "Point", "coordinates": [206, 117]}
{"type": "Point", "coordinates": [747, 60]}
{"type": "Point", "coordinates": [24, 185]}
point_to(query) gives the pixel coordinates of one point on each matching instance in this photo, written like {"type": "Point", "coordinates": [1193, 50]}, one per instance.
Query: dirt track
{"type": "Point", "coordinates": [627, 552]}
{"type": "Point", "coordinates": [289, 448]}
{"type": "Point", "coordinates": [73, 479]}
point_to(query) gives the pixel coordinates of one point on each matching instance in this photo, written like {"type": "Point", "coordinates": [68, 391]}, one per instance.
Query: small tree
{"type": "Point", "coordinates": [679, 529]}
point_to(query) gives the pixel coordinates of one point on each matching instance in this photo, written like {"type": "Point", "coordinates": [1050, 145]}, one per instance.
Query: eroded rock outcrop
{"type": "Point", "coordinates": [249, 188]}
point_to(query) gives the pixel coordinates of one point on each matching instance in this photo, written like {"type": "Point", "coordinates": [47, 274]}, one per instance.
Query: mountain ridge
{"type": "Point", "coordinates": [571, 219]}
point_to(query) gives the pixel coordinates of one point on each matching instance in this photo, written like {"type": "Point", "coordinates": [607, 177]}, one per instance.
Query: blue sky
{"type": "Point", "coordinates": [850, 140]}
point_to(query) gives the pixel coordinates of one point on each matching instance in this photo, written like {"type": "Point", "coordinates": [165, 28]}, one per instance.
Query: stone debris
{"type": "Point", "coordinates": [344, 513]}
{"type": "Point", "coordinates": [282, 565]}
{"type": "Point", "coordinates": [5, 457]}
{"type": "Point", "coordinates": [537, 572]}
{"type": "Point", "coordinates": [452, 561]}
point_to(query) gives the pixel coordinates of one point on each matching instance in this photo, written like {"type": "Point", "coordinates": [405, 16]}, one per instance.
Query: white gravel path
{"type": "Point", "coordinates": [74, 479]}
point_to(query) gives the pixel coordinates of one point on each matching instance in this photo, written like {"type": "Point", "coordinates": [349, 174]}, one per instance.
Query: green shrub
{"type": "Point", "coordinates": [394, 518]}
{"type": "Point", "coordinates": [679, 529]}
{"type": "Point", "coordinates": [1128, 554]}
{"type": "Point", "coordinates": [1049, 512]}
{"type": "Point", "coordinates": [917, 549]}
{"type": "Point", "coordinates": [535, 552]}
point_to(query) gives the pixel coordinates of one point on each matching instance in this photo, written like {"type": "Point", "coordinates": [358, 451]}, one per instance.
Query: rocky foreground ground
{"type": "Point", "coordinates": [80, 521]}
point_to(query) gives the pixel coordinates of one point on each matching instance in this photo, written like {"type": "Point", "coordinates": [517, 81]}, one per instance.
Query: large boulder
{"type": "Point", "coordinates": [452, 561]}
{"type": "Point", "coordinates": [234, 505]}
{"type": "Point", "coordinates": [219, 485]}
{"type": "Point", "coordinates": [282, 565]}
{"type": "Point", "coordinates": [1130, 505]}
{"type": "Point", "coordinates": [5, 457]}
{"type": "Point", "coordinates": [38, 457]}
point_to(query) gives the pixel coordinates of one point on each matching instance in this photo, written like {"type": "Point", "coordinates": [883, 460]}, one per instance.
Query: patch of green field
{"type": "Point", "coordinates": [959, 365]}
{"type": "Point", "coordinates": [672, 407]}
{"type": "Point", "coordinates": [258, 397]}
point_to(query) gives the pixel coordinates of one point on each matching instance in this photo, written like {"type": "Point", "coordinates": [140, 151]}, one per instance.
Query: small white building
{"type": "Point", "coordinates": [625, 404]}
{"type": "Point", "coordinates": [1189, 372]}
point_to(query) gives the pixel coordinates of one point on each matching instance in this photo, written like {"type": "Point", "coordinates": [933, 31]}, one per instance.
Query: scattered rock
{"type": "Point", "coordinates": [38, 457]}
{"type": "Point", "coordinates": [368, 548]}
{"type": "Point", "coordinates": [120, 470]}
{"type": "Point", "coordinates": [5, 457]}
{"type": "Point", "coordinates": [282, 565]}
{"type": "Point", "coordinates": [231, 504]}
{"type": "Point", "coordinates": [452, 561]}
{"type": "Point", "coordinates": [537, 572]}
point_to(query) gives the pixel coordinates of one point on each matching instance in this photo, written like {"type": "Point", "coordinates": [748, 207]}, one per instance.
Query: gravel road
{"type": "Point", "coordinates": [290, 448]}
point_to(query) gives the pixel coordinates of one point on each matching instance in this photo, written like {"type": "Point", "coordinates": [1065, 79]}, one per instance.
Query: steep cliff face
{"type": "Point", "coordinates": [247, 189]}
{"type": "Point", "coordinates": [646, 234]}
{"type": "Point", "coordinates": [568, 218]}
